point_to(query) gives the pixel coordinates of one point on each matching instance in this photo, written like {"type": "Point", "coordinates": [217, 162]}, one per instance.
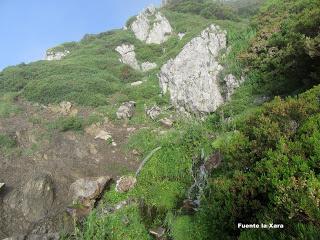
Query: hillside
{"type": "Point", "coordinates": [215, 102]}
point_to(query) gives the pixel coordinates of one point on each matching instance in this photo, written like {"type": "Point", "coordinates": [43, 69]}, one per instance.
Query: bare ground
{"type": "Point", "coordinates": [65, 156]}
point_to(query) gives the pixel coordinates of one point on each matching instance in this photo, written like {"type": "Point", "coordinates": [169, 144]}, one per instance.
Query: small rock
{"type": "Point", "coordinates": [126, 110]}
{"type": "Point", "coordinates": [131, 129]}
{"type": "Point", "coordinates": [2, 185]}
{"type": "Point", "coordinates": [114, 144]}
{"type": "Point", "coordinates": [65, 107]}
{"type": "Point", "coordinates": [33, 199]}
{"type": "Point", "coordinates": [166, 122]}
{"type": "Point", "coordinates": [147, 66]}
{"type": "Point", "coordinates": [103, 135]}
{"type": "Point", "coordinates": [153, 112]}
{"type": "Point", "coordinates": [92, 149]}
{"type": "Point", "coordinates": [135, 152]}
{"type": "Point", "coordinates": [158, 232]}
{"type": "Point", "coordinates": [136, 83]}
{"type": "Point", "coordinates": [125, 183]}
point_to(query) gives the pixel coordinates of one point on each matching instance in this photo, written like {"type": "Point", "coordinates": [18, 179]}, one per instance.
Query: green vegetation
{"type": "Point", "coordinates": [270, 167]}
{"type": "Point", "coordinates": [7, 106]}
{"type": "Point", "coordinates": [64, 124]}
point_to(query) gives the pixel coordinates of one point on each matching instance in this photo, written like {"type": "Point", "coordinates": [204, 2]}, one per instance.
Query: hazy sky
{"type": "Point", "coordinates": [28, 28]}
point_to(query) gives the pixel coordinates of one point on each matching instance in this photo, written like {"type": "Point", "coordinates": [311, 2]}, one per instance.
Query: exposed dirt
{"type": "Point", "coordinates": [65, 156]}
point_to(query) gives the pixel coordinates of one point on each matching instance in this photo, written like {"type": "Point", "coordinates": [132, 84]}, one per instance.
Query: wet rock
{"type": "Point", "coordinates": [166, 122]}
{"type": "Point", "coordinates": [153, 112]}
{"type": "Point", "coordinates": [192, 78]}
{"type": "Point", "coordinates": [151, 26]}
{"type": "Point", "coordinates": [103, 135]}
{"type": "Point", "coordinates": [128, 55]}
{"type": "Point", "coordinates": [158, 232]}
{"type": "Point", "coordinates": [85, 191]}
{"type": "Point", "coordinates": [125, 183]}
{"type": "Point", "coordinates": [147, 66]}
{"type": "Point", "coordinates": [126, 110]}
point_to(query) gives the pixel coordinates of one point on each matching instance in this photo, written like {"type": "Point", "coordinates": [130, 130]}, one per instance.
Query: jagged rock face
{"type": "Point", "coordinates": [128, 55]}
{"type": "Point", "coordinates": [52, 55]}
{"type": "Point", "coordinates": [151, 27]}
{"type": "Point", "coordinates": [192, 78]}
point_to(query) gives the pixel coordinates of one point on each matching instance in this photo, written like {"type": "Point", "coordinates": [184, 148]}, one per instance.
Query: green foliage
{"type": "Point", "coordinates": [284, 55]}
{"type": "Point", "coordinates": [64, 124]}
{"type": "Point", "coordinates": [7, 106]}
{"type": "Point", "coordinates": [123, 224]}
{"type": "Point", "coordinates": [6, 142]}
{"type": "Point", "coordinates": [206, 9]}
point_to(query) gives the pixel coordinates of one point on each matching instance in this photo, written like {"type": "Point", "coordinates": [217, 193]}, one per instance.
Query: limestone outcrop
{"type": "Point", "coordinates": [128, 56]}
{"type": "Point", "coordinates": [151, 26]}
{"type": "Point", "coordinates": [53, 55]}
{"type": "Point", "coordinates": [193, 77]}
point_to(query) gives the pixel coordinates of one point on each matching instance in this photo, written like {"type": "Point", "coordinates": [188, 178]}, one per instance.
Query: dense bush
{"type": "Point", "coordinates": [284, 55]}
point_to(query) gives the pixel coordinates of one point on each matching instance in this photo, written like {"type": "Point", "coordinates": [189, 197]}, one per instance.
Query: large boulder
{"type": "Point", "coordinates": [193, 77]}
{"type": "Point", "coordinates": [151, 26]}
{"type": "Point", "coordinates": [126, 110]}
{"type": "Point", "coordinates": [34, 199]}
{"type": "Point", "coordinates": [85, 191]}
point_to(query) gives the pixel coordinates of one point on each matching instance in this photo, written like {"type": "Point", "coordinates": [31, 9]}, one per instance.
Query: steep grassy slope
{"type": "Point", "coordinates": [270, 154]}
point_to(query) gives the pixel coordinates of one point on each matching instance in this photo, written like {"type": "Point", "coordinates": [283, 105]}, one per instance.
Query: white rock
{"type": "Point", "coordinates": [52, 55]}
{"type": "Point", "coordinates": [103, 135]}
{"type": "Point", "coordinates": [151, 26]}
{"type": "Point", "coordinates": [128, 55]}
{"type": "Point", "coordinates": [192, 78]}
{"type": "Point", "coordinates": [147, 66]}
{"type": "Point", "coordinates": [136, 83]}
{"type": "Point", "coordinates": [232, 83]}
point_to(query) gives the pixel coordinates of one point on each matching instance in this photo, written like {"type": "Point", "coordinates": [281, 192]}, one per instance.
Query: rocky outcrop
{"type": "Point", "coordinates": [34, 199]}
{"type": "Point", "coordinates": [192, 78]}
{"type": "Point", "coordinates": [128, 56]}
{"type": "Point", "coordinates": [85, 192]}
{"type": "Point", "coordinates": [53, 55]}
{"type": "Point", "coordinates": [151, 26]}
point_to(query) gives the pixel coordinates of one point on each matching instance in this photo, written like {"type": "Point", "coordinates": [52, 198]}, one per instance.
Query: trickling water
{"type": "Point", "coordinates": [200, 177]}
